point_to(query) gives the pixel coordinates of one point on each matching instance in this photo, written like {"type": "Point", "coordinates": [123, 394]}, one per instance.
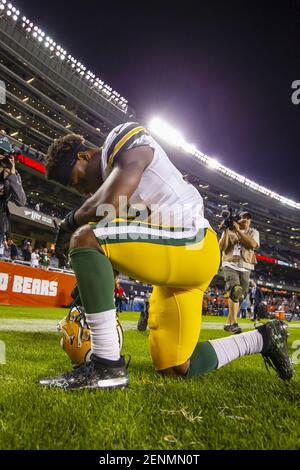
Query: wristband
{"type": "Point", "coordinates": [70, 221]}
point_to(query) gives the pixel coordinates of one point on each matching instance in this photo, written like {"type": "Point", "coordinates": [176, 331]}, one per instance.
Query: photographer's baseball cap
{"type": "Point", "coordinates": [5, 145]}
{"type": "Point", "coordinates": [244, 214]}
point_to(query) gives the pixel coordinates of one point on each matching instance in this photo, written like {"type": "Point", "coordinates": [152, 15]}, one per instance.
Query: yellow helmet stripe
{"type": "Point", "coordinates": [122, 142]}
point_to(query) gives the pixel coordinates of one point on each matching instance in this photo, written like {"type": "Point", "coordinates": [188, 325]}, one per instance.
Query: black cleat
{"type": "Point", "coordinates": [234, 328]}
{"type": "Point", "coordinates": [227, 327]}
{"type": "Point", "coordinates": [275, 349]}
{"type": "Point", "coordinates": [98, 373]}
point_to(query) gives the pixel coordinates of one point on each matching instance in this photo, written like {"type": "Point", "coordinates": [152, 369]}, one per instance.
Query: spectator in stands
{"type": "Point", "coordinates": [62, 260]}
{"type": "Point", "coordinates": [27, 252]}
{"type": "Point", "coordinates": [35, 258]}
{"type": "Point", "coordinates": [256, 298]}
{"type": "Point", "coordinates": [44, 258]}
{"type": "Point", "coordinates": [238, 260]}
{"type": "Point", "coordinates": [3, 245]}
{"type": "Point", "coordinates": [13, 249]}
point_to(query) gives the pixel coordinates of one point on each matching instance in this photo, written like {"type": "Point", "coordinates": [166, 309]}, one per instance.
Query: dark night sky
{"type": "Point", "coordinates": [219, 71]}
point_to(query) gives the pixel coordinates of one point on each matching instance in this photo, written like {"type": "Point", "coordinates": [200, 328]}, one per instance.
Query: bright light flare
{"type": "Point", "coordinates": [166, 132]}
{"type": "Point", "coordinates": [175, 138]}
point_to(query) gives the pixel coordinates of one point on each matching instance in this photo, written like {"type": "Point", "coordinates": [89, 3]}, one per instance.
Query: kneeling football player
{"type": "Point", "coordinates": [179, 259]}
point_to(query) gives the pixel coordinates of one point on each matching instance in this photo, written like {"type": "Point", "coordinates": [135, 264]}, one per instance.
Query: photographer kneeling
{"type": "Point", "coordinates": [237, 244]}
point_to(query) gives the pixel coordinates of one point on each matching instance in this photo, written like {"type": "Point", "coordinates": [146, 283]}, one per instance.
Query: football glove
{"type": "Point", "coordinates": [64, 232]}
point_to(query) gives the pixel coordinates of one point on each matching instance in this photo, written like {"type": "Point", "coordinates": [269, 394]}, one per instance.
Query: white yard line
{"type": "Point", "coordinates": [50, 326]}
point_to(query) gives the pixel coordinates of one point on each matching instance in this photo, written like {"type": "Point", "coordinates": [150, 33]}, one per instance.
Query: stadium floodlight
{"type": "Point", "coordinates": [212, 163]}
{"type": "Point", "coordinates": [166, 132]}
{"type": "Point", "coordinates": [14, 13]}
{"type": "Point", "coordinates": [174, 137]}
{"type": "Point", "coordinates": [189, 148]}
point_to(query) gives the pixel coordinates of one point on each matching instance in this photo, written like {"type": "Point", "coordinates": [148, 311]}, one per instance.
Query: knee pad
{"type": "Point", "coordinates": [236, 293]}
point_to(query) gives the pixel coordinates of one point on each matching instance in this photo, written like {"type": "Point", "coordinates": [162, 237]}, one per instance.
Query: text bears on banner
{"type": "Point", "coordinates": [26, 286]}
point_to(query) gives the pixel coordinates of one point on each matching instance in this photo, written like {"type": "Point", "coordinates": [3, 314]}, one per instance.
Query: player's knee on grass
{"type": "Point", "coordinates": [84, 238]}
{"type": "Point", "coordinates": [176, 372]}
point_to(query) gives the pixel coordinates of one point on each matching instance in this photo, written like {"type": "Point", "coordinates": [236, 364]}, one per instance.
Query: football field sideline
{"type": "Point", "coordinates": [50, 326]}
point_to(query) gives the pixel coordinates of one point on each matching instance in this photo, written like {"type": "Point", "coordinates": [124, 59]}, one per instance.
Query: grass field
{"type": "Point", "coordinates": [240, 406]}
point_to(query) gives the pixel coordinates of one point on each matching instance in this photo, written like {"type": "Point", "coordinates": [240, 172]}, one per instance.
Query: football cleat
{"type": "Point", "coordinates": [275, 349]}
{"type": "Point", "coordinates": [96, 374]}
{"type": "Point", "coordinates": [234, 328]}
{"type": "Point", "coordinates": [227, 327]}
{"type": "Point", "coordinates": [76, 339]}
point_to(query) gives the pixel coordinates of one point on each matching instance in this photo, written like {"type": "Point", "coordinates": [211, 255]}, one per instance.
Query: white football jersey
{"type": "Point", "coordinates": [170, 200]}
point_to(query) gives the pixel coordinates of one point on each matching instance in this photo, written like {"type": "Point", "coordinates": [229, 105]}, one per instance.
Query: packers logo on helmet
{"type": "Point", "coordinates": [76, 339]}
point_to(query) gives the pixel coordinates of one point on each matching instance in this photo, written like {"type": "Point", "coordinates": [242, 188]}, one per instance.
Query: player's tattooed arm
{"type": "Point", "coordinates": [122, 181]}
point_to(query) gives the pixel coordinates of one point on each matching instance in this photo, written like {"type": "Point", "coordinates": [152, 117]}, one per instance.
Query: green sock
{"type": "Point", "coordinates": [95, 279]}
{"type": "Point", "coordinates": [203, 360]}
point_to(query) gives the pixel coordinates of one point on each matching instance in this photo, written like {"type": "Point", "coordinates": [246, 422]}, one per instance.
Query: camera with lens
{"type": "Point", "coordinates": [5, 161]}
{"type": "Point", "coordinates": [229, 216]}
{"type": "Point", "coordinates": [6, 152]}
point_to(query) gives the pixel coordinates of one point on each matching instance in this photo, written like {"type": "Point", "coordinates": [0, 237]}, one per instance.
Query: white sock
{"type": "Point", "coordinates": [104, 335]}
{"type": "Point", "coordinates": [228, 349]}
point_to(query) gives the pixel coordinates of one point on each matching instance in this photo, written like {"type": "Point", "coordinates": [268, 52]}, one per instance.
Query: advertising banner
{"type": "Point", "coordinates": [26, 286]}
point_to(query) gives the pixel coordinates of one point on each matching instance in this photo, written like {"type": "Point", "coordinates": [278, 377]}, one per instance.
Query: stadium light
{"type": "Point", "coordinates": [14, 13]}
{"type": "Point", "coordinates": [175, 138]}
{"type": "Point", "coordinates": [213, 164]}
{"type": "Point", "coordinates": [166, 132]}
